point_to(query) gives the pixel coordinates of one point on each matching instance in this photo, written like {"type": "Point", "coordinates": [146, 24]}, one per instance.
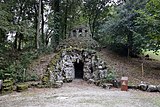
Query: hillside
{"type": "Point", "coordinates": [132, 67]}
{"type": "Point", "coordinates": [122, 66]}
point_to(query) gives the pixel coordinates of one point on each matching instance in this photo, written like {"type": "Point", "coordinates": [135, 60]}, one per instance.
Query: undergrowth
{"type": "Point", "coordinates": [15, 63]}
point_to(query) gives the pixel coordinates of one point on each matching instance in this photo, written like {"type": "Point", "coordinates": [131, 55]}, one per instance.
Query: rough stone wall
{"type": "Point", "coordinates": [63, 69]}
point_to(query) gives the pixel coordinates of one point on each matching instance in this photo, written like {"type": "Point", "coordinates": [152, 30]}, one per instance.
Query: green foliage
{"type": "Point", "coordinates": [121, 27]}
{"type": "Point", "coordinates": [110, 76]}
{"type": "Point", "coordinates": [153, 55]}
{"type": "Point", "coordinates": [96, 12]}
{"type": "Point", "coordinates": [17, 68]}
{"type": "Point", "coordinates": [148, 25]}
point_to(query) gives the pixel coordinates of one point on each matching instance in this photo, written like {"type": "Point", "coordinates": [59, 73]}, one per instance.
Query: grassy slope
{"type": "Point", "coordinates": [152, 55]}
{"type": "Point", "coordinates": [132, 67]}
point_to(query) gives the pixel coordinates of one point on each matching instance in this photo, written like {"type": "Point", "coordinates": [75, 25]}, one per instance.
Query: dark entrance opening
{"type": "Point", "coordinates": [78, 66]}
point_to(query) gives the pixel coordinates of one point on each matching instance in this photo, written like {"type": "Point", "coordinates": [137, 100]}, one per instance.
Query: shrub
{"type": "Point", "coordinates": [111, 76]}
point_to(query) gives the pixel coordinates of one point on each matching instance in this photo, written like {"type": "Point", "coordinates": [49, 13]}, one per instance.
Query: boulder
{"type": "Point", "coordinates": [106, 85]}
{"type": "Point", "coordinates": [100, 67]}
{"type": "Point", "coordinates": [116, 83]}
{"type": "Point", "coordinates": [58, 84]}
{"type": "Point", "coordinates": [22, 87]}
{"type": "Point", "coordinates": [158, 88]}
{"type": "Point", "coordinates": [152, 88]}
{"type": "Point", "coordinates": [45, 80]}
{"type": "Point", "coordinates": [7, 86]}
{"type": "Point", "coordinates": [132, 87]}
{"type": "Point", "coordinates": [67, 80]}
{"type": "Point", "coordinates": [91, 81]}
{"type": "Point", "coordinates": [143, 86]}
{"type": "Point", "coordinates": [97, 83]}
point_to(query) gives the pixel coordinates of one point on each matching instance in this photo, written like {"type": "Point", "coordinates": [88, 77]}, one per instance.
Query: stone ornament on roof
{"type": "Point", "coordinates": [80, 31]}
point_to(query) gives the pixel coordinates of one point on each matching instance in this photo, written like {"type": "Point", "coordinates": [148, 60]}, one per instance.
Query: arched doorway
{"type": "Point", "coordinates": [78, 66]}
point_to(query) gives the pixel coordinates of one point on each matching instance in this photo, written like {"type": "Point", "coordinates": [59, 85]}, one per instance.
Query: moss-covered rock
{"type": "Point", "coordinates": [45, 79]}
{"type": "Point", "coordinates": [7, 75]}
{"type": "Point", "coordinates": [21, 87]}
{"type": "Point", "coordinates": [7, 86]}
{"type": "Point", "coordinates": [80, 42]}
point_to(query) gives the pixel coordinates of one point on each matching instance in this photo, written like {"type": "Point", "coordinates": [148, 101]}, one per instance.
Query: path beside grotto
{"type": "Point", "coordinates": [80, 94]}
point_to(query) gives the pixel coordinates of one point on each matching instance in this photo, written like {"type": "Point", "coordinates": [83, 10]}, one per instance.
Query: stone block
{"type": "Point", "coordinates": [22, 87]}
{"type": "Point", "coordinates": [91, 81]}
{"type": "Point", "coordinates": [106, 85]}
{"type": "Point", "coordinates": [58, 84]}
{"type": "Point", "coordinates": [152, 88]}
{"type": "Point", "coordinates": [7, 86]}
{"type": "Point", "coordinates": [143, 86]}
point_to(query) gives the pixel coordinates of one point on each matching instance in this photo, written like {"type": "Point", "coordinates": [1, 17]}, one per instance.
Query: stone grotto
{"type": "Point", "coordinates": [76, 58]}
{"type": "Point", "coordinates": [75, 63]}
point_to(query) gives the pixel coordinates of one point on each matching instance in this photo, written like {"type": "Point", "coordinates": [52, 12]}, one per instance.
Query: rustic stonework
{"type": "Point", "coordinates": [62, 66]}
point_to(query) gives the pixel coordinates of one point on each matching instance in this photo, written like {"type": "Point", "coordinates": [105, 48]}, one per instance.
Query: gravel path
{"type": "Point", "coordinates": [80, 94]}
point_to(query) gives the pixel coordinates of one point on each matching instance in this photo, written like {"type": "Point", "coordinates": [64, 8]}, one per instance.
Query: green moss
{"type": "Point", "coordinates": [7, 75]}
{"type": "Point", "coordinates": [45, 79]}
{"type": "Point", "coordinates": [7, 81]}
{"type": "Point", "coordinates": [7, 86]}
{"type": "Point", "coordinates": [7, 89]}
{"type": "Point", "coordinates": [22, 87]}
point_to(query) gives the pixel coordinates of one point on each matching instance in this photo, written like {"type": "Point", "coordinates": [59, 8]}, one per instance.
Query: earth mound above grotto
{"type": "Point", "coordinates": [71, 63]}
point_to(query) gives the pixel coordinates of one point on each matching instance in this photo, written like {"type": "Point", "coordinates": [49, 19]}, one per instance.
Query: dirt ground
{"type": "Point", "coordinates": [80, 94]}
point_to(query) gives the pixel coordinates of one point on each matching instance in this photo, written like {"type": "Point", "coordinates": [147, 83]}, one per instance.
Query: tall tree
{"type": "Point", "coordinates": [148, 25]}
{"type": "Point", "coordinates": [121, 27]}
{"type": "Point", "coordinates": [95, 11]}
{"type": "Point", "coordinates": [38, 25]}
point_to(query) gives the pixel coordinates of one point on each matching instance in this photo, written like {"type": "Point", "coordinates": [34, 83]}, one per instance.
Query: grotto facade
{"type": "Point", "coordinates": [73, 63]}
{"type": "Point", "coordinates": [76, 58]}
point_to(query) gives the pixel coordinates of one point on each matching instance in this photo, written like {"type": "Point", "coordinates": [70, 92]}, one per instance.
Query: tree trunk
{"type": "Point", "coordinates": [36, 22]}
{"type": "Point", "coordinates": [42, 15]}
{"type": "Point", "coordinates": [56, 22]}
{"type": "Point", "coordinates": [15, 41]}
{"type": "Point", "coordinates": [130, 43]}
{"type": "Point", "coordinates": [66, 14]}
{"type": "Point", "coordinates": [20, 41]}
{"type": "Point", "coordinates": [38, 26]}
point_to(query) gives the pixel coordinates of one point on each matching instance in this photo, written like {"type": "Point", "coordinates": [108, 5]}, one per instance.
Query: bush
{"type": "Point", "coordinates": [111, 76]}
